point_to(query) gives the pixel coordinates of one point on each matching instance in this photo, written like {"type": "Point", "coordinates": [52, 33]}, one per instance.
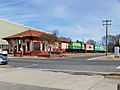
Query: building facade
{"type": "Point", "coordinates": [32, 42]}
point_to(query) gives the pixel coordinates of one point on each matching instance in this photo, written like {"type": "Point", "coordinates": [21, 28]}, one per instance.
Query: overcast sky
{"type": "Point", "coordinates": [76, 19]}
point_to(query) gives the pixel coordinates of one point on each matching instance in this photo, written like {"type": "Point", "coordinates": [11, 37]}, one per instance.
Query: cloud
{"type": "Point", "coordinates": [74, 18]}
{"type": "Point", "coordinates": [80, 28]}
{"type": "Point", "coordinates": [77, 34]}
{"type": "Point", "coordinates": [59, 12]}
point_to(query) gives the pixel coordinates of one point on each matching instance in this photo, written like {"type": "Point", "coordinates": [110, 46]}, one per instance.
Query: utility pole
{"type": "Point", "coordinates": [106, 24]}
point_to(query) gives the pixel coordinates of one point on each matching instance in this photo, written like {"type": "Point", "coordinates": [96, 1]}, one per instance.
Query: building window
{"type": "Point", "coordinates": [36, 46]}
{"type": "Point", "coordinates": [90, 47]}
{"type": "Point", "coordinates": [28, 46]}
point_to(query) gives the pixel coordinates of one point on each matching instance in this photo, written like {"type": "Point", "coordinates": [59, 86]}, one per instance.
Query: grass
{"type": "Point", "coordinates": [6, 66]}
{"type": "Point", "coordinates": [115, 75]}
{"type": "Point", "coordinates": [112, 57]}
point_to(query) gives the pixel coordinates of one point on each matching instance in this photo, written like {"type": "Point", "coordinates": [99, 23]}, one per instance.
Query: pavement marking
{"type": "Point", "coordinates": [118, 67]}
{"type": "Point", "coordinates": [95, 58]}
{"type": "Point", "coordinates": [19, 68]}
{"type": "Point", "coordinates": [29, 65]}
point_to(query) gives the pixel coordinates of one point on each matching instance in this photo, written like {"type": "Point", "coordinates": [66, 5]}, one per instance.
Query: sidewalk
{"type": "Point", "coordinates": [58, 80]}
{"type": "Point", "coordinates": [25, 56]}
{"type": "Point", "coordinates": [109, 57]}
{"type": "Point", "coordinates": [65, 55]}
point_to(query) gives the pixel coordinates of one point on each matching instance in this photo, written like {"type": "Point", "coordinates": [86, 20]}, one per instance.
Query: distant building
{"type": "Point", "coordinates": [8, 28]}
{"type": "Point", "coordinates": [29, 42]}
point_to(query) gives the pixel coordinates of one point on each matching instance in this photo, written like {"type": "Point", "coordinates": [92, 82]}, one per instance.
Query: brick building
{"type": "Point", "coordinates": [29, 42]}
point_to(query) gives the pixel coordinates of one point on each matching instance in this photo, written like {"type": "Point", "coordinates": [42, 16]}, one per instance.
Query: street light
{"type": "Point", "coordinates": [106, 24]}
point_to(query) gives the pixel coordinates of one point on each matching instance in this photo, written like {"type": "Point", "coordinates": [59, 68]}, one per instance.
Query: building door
{"type": "Point", "coordinates": [24, 49]}
{"type": "Point", "coordinates": [43, 47]}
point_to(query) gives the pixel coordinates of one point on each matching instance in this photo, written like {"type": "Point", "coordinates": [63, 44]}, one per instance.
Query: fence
{"type": "Point", "coordinates": [4, 47]}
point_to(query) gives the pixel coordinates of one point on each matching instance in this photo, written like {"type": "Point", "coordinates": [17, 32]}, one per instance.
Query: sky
{"type": "Point", "coordinates": [75, 19]}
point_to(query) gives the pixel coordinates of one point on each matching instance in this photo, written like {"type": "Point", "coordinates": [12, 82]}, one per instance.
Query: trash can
{"type": "Point", "coordinates": [116, 51]}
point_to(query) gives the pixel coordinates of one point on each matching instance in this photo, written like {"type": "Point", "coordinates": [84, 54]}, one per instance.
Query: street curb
{"type": "Point", "coordinates": [109, 75]}
{"type": "Point", "coordinates": [7, 66]}
{"type": "Point", "coordinates": [76, 72]}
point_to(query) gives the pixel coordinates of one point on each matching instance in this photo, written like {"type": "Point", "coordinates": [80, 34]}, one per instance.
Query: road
{"type": "Point", "coordinates": [89, 69]}
{"type": "Point", "coordinates": [72, 63]}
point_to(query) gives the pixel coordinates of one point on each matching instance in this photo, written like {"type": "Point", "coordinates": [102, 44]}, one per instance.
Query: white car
{"type": "Point", "coordinates": [3, 52]}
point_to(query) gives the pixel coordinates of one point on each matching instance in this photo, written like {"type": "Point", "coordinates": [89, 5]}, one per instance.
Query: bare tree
{"type": "Point", "coordinates": [90, 41]}
{"type": "Point", "coordinates": [49, 38]}
{"type": "Point", "coordinates": [118, 40]}
{"type": "Point", "coordinates": [112, 39]}
{"type": "Point", "coordinates": [118, 36]}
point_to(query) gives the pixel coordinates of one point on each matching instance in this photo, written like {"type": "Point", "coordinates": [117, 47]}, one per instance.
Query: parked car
{"type": "Point", "coordinates": [3, 59]}
{"type": "Point", "coordinates": [3, 52]}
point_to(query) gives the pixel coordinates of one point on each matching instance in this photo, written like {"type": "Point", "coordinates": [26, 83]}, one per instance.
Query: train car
{"type": "Point", "coordinates": [89, 47]}
{"type": "Point", "coordinates": [99, 48]}
{"type": "Point", "coordinates": [80, 46]}
{"type": "Point", "coordinates": [77, 46]}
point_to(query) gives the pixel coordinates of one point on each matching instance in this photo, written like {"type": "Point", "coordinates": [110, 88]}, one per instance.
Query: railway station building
{"type": "Point", "coordinates": [29, 43]}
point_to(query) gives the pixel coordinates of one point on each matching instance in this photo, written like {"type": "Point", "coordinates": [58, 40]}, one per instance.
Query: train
{"type": "Point", "coordinates": [79, 46]}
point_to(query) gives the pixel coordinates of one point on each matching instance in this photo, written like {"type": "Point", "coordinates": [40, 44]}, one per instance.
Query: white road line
{"type": "Point", "coordinates": [118, 67]}
{"type": "Point", "coordinates": [19, 68]}
{"type": "Point", "coordinates": [30, 65]}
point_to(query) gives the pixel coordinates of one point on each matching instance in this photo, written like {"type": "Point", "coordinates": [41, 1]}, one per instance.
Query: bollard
{"type": "Point", "coordinates": [118, 87]}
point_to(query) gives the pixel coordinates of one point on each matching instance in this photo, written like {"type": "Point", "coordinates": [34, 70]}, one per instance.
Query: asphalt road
{"type": "Point", "coordinates": [79, 64]}
{"type": "Point", "coordinates": [73, 63]}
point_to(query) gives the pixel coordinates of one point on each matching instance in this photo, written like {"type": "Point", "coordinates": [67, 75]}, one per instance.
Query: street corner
{"type": "Point", "coordinates": [7, 66]}
{"type": "Point", "coordinates": [112, 57]}
{"type": "Point", "coordinates": [114, 75]}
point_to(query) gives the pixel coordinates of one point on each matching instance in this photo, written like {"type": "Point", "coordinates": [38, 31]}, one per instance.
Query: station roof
{"type": "Point", "coordinates": [33, 33]}
{"type": "Point", "coordinates": [28, 33]}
